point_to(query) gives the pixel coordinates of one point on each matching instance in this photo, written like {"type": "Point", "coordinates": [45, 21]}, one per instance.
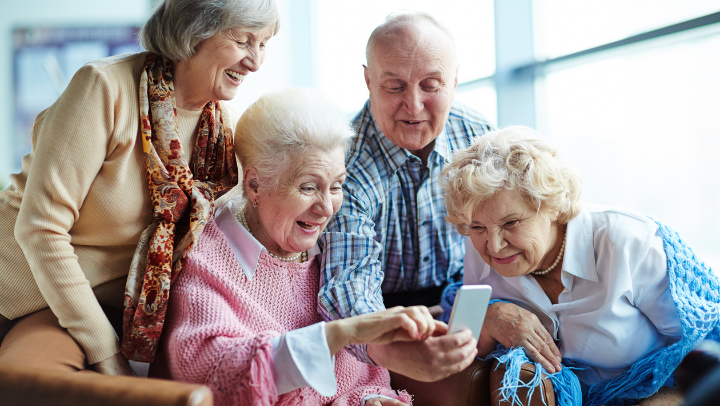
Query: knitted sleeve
{"type": "Point", "coordinates": [209, 344]}
{"type": "Point", "coordinates": [70, 143]}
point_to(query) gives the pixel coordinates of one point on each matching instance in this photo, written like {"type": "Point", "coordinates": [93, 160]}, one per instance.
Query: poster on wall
{"type": "Point", "coordinates": [44, 61]}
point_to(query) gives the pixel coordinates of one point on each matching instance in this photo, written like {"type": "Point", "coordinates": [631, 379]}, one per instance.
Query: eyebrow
{"type": "Point", "coordinates": [394, 75]}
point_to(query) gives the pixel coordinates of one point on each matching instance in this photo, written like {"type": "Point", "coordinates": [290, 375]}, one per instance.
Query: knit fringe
{"type": "Point", "coordinates": [565, 383]}
{"type": "Point", "coordinates": [261, 383]}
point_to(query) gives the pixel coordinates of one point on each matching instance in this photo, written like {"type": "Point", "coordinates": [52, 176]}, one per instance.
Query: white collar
{"type": "Point", "coordinates": [245, 247]}
{"type": "Point", "coordinates": [579, 258]}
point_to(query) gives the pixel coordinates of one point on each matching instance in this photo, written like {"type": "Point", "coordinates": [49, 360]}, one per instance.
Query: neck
{"type": "Point", "coordinates": [186, 96]}
{"type": "Point", "coordinates": [424, 153]}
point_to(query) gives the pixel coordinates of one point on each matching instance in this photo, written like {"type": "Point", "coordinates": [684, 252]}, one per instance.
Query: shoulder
{"type": "Point", "coordinates": [365, 161]}
{"type": "Point", "coordinates": [119, 68]}
{"type": "Point", "coordinates": [622, 231]}
{"type": "Point", "coordinates": [464, 125]}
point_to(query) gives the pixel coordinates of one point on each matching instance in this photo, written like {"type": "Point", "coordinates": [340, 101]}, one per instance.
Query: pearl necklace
{"type": "Point", "coordinates": [240, 215]}
{"type": "Point", "coordinates": [557, 260]}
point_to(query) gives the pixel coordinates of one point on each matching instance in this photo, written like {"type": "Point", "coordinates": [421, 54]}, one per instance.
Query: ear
{"type": "Point", "coordinates": [250, 184]}
{"type": "Point", "coordinates": [457, 70]}
{"type": "Point", "coordinates": [367, 76]}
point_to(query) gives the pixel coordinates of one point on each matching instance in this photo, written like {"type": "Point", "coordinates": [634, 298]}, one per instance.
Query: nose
{"type": "Point", "coordinates": [414, 101]}
{"type": "Point", "coordinates": [495, 242]}
{"type": "Point", "coordinates": [254, 58]}
{"type": "Point", "coordinates": [324, 205]}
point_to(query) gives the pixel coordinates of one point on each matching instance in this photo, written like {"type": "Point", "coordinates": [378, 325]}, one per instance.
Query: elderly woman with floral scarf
{"type": "Point", "coordinates": [138, 147]}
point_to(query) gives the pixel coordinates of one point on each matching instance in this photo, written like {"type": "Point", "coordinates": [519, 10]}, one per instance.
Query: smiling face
{"type": "Point", "coordinates": [290, 218]}
{"type": "Point", "coordinates": [411, 76]}
{"type": "Point", "coordinates": [219, 65]}
{"type": "Point", "coordinates": [512, 237]}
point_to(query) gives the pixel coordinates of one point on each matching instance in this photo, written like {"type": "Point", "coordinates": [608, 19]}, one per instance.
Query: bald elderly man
{"type": "Point", "coordinates": [389, 244]}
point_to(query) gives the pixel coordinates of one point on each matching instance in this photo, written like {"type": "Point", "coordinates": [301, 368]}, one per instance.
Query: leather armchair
{"type": "Point", "coordinates": [477, 385]}
{"type": "Point", "coordinates": [29, 386]}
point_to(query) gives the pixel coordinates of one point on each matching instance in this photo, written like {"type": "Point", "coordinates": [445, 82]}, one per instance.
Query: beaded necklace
{"type": "Point", "coordinates": [557, 260]}
{"type": "Point", "coordinates": [240, 215]}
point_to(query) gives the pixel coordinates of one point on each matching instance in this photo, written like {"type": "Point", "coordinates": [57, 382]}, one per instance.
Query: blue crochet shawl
{"type": "Point", "coordinates": [696, 293]}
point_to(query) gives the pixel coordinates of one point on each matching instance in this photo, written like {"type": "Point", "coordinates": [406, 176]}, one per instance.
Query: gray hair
{"type": "Point", "coordinates": [284, 125]}
{"type": "Point", "coordinates": [404, 17]}
{"type": "Point", "coordinates": [177, 26]}
{"type": "Point", "coordinates": [513, 158]}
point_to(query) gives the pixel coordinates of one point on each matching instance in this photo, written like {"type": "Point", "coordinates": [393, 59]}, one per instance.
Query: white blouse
{"type": "Point", "coordinates": [616, 306]}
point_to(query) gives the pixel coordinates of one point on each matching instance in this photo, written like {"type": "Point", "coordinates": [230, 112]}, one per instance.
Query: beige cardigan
{"type": "Point", "coordinates": [71, 219]}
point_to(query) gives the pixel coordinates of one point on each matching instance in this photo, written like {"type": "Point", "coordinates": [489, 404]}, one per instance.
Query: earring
{"type": "Point", "coordinates": [255, 204]}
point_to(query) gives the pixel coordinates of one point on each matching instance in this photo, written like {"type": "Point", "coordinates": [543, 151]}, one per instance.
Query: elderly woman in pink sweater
{"type": "Point", "coordinates": [243, 313]}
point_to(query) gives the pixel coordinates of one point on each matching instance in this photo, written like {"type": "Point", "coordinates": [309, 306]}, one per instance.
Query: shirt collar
{"type": "Point", "coordinates": [579, 259]}
{"type": "Point", "coordinates": [244, 245]}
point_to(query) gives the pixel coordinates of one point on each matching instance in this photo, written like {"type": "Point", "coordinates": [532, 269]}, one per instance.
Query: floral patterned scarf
{"type": "Point", "coordinates": [183, 202]}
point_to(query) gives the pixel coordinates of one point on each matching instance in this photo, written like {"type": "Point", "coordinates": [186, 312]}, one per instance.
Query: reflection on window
{"type": "Point", "coordinates": [566, 26]}
{"type": "Point", "coordinates": [642, 128]}
{"type": "Point", "coordinates": [343, 28]}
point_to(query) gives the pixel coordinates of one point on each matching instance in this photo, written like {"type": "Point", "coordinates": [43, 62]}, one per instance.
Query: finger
{"type": "Point", "coordinates": [440, 328]}
{"type": "Point", "coordinates": [548, 348]}
{"type": "Point", "coordinates": [415, 313]}
{"type": "Point", "coordinates": [536, 356]}
{"type": "Point", "coordinates": [424, 320]}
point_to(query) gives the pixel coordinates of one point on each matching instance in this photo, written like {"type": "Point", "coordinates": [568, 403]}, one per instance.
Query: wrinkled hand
{"type": "Point", "coordinates": [429, 360]}
{"type": "Point", "coordinates": [513, 326]}
{"type": "Point", "coordinates": [115, 365]}
{"type": "Point", "coordinates": [384, 402]}
{"type": "Point", "coordinates": [384, 327]}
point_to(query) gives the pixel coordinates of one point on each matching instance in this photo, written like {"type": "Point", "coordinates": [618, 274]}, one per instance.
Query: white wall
{"type": "Point", "coordinates": [50, 13]}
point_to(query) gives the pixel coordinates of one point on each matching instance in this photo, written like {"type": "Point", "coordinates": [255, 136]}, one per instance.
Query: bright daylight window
{"type": "Point", "coordinates": [343, 28]}
{"type": "Point", "coordinates": [639, 122]}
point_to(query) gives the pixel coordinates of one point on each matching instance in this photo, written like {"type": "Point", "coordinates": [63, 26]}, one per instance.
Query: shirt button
{"type": "Point", "coordinates": [426, 259]}
{"type": "Point", "coordinates": [424, 223]}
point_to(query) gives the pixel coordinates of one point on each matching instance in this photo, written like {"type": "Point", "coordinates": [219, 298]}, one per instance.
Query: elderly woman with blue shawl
{"type": "Point", "coordinates": [614, 296]}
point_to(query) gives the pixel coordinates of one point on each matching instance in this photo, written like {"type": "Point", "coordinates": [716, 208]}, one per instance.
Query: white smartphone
{"type": "Point", "coordinates": [471, 302]}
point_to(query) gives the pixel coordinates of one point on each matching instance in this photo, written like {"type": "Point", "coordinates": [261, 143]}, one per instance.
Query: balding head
{"type": "Point", "coordinates": [410, 26]}
{"type": "Point", "coordinates": [411, 75]}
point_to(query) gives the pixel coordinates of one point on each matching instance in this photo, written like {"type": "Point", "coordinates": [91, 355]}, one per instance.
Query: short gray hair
{"type": "Point", "coordinates": [177, 26]}
{"type": "Point", "coordinates": [513, 158]}
{"type": "Point", "coordinates": [284, 125]}
{"type": "Point", "coordinates": [398, 18]}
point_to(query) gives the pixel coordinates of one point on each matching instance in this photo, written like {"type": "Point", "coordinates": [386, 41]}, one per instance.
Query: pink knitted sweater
{"type": "Point", "coordinates": [220, 325]}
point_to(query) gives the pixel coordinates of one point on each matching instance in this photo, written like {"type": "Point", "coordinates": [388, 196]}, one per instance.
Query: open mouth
{"type": "Point", "coordinates": [307, 226]}
{"type": "Point", "coordinates": [234, 75]}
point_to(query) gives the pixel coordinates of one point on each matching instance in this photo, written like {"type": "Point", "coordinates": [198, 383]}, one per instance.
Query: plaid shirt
{"type": "Point", "coordinates": [390, 234]}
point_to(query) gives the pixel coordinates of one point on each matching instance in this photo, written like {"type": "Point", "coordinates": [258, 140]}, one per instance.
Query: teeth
{"type": "Point", "coordinates": [233, 74]}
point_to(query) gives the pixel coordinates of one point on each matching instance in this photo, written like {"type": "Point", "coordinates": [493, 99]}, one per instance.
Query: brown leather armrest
{"type": "Point", "coordinates": [541, 397]}
{"type": "Point", "coordinates": [466, 388]}
{"type": "Point", "coordinates": [29, 386]}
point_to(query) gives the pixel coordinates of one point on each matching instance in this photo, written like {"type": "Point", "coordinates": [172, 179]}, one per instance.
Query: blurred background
{"type": "Point", "coordinates": [629, 89]}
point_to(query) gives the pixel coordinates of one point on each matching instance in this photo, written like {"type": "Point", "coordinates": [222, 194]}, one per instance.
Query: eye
{"type": "Point", "coordinates": [477, 229]}
{"type": "Point", "coordinates": [241, 44]}
{"type": "Point", "coordinates": [394, 86]}
{"type": "Point", "coordinates": [430, 85]}
{"type": "Point", "coordinates": [512, 223]}
{"type": "Point", "coordinates": [307, 189]}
